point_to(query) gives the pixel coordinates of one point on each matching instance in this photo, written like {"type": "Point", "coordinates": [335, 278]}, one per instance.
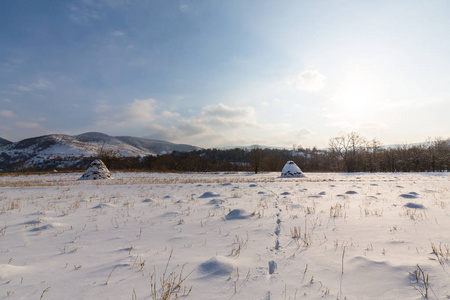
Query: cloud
{"type": "Point", "coordinates": [29, 125]}
{"type": "Point", "coordinates": [184, 8]}
{"type": "Point", "coordinates": [168, 114]}
{"type": "Point", "coordinates": [7, 114]}
{"type": "Point", "coordinates": [40, 84]}
{"type": "Point", "coordinates": [118, 33]}
{"type": "Point", "coordinates": [310, 81]}
{"type": "Point", "coordinates": [213, 126]}
{"type": "Point", "coordinates": [222, 116]}
{"type": "Point", "coordinates": [141, 111]}
{"type": "Point", "coordinates": [83, 13]}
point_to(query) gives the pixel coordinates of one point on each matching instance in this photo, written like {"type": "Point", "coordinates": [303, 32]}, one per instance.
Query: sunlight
{"type": "Point", "coordinates": [357, 99]}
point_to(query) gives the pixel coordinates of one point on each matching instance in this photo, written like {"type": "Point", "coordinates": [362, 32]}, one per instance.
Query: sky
{"type": "Point", "coordinates": [216, 73]}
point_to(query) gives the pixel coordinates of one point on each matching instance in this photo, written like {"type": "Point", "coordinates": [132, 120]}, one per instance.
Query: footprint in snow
{"type": "Point", "coordinates": [351, 192]}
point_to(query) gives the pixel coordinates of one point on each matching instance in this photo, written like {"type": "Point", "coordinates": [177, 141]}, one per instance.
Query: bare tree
{"type": "Point", "coordinates": [255, 158]}
{"type": "Point", "coordinates": [345, 149]}
{"type": "Point", "coordinates": [108, 156]}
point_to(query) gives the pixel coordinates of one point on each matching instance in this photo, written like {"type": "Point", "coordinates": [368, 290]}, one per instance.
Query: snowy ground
{"type": "Point", "coordinates": [230, 236]}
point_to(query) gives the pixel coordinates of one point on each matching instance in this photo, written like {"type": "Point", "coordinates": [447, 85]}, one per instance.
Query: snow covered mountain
{"type": "Point", "coordinates": [60, 150]}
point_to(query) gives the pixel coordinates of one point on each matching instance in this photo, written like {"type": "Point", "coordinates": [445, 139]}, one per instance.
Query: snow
{"type": "Point", "coordinates": [97, 170]}
{"type": "Point", "coordinates": [290, 169]}
{"type": "Point", "coordinates": [229, 235]}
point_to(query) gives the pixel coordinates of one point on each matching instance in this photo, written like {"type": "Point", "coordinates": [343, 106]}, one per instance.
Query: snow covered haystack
{"type": "Point", "coordinates": [96, 170]}
{"type": "Point", "coordinates": [291, 170]}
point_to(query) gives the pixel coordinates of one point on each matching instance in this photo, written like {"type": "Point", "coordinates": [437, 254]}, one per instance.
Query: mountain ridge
{"type": "Point", "coordinates": [4, 141]}
{"type": "Point", "coordinates": [62, 150]}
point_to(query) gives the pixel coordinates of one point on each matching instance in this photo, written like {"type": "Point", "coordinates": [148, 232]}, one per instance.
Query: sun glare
{"type": "Point", "coordinates": [357, 100]}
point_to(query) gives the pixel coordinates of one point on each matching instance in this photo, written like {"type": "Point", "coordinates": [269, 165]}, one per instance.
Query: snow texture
{"type": "Point", "coordinates": [291, 170]}
{"type": "Point", "coordinates": [61, 238]}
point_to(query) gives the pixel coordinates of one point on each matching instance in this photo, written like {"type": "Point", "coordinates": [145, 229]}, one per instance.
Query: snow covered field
{"type": "Point", "coordinates": [226, 236]}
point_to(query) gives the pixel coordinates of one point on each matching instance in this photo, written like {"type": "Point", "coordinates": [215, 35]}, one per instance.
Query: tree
{"type": "Point", "coordinates": [108, 156]}
{"type": "Point", "coordinates": [345, 150]}
{"type": "Point", "coordinates": [255, 158]}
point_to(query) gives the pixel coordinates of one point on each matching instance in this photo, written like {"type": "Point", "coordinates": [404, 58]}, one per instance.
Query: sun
{"type": "Point", "coordinates": [357, 100]}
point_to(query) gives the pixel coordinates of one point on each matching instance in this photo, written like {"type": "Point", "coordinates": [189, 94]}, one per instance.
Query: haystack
{"type": "Point", "coordinates": [97, 170]}
{"type": "Point", "coordinates": [291, 170]}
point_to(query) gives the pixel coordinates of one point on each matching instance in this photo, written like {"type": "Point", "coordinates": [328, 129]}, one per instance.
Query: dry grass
{"type": "Point", "coordinates": [171, 285]}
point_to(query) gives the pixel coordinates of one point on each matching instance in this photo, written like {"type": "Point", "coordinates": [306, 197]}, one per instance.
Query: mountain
{"type": "Point", "coordinates": [62, 151]}
{"type": "Point", "coordinates": [4, 142]}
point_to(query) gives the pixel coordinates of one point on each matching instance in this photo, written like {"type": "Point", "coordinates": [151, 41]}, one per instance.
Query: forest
{"type": "Point", "coordinates": [348, 152]}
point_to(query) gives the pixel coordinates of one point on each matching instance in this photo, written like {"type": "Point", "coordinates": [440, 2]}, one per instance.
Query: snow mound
{"type": "Point", "coordinates": [46, 227]}
{"type": "Point", "coordinates": [209, 195]}
{"type": "Point", "coordinates": [414, 205]}
{"type": "Point", "coordinates": [8, 270]}
{"type": "Point", "coordinates": [216, 202]}
{"type": "Point", "coordinates": [216, 266]}
{"type": "Point", "coordinates": [411, 195]}
{"type": "Point", "coordinates": [103, 205]}
{"type": "Point", "coordinates": [379, 279]}
{"type": "Point", "coordinates": [238, 214]}
{"type": "Point", "coordinates": [291, 170]}
{"type": "Point", "coordinates": [97, 170]}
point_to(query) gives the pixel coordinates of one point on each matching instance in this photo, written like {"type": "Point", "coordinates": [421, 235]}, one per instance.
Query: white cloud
{"type": "Point", "coordinates": [42, 84]}
{"type": "Point", "coordinates": [141, 111]}
{"type": "Point", "coordinates": [7, 114]}
{"type": "Point", "coordinates": [83, 13]}
{"type": "Point", "coordinates": [118, 33]}
{"type": "Point", "coordinates": [213, 126]}
{"type": "Point", "coordinates": [223, 117]}
{"type": "Point", "coordinates": [168, 114]}
{"type": "Point", "coordinates": [39, 84]}
{"type": "Point", "coordinates": [310, 81]}
{"type": "Point", "coordinates": [184, 8]}
{"type": "Point", "coordinates": [29, 125]}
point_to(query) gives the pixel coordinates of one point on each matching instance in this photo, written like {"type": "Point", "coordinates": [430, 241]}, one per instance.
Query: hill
{"type": "Point", "coordinates": [62, 151]}
{"type": "Point", "coordinates": [4, 142]}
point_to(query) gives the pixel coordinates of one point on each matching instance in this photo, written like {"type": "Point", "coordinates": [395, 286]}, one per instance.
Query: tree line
{"type": "Point", "coordinates": [349, 152]}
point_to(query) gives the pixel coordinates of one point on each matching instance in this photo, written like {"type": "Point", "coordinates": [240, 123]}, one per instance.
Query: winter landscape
{"type": "Point", "coordinates": [225, 236]}
{"type": "Point", "coordinates": [255, 149]}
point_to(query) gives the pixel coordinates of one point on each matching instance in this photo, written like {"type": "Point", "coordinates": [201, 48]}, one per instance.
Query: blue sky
{"type": "Point", "coordinates": [220, 73]}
